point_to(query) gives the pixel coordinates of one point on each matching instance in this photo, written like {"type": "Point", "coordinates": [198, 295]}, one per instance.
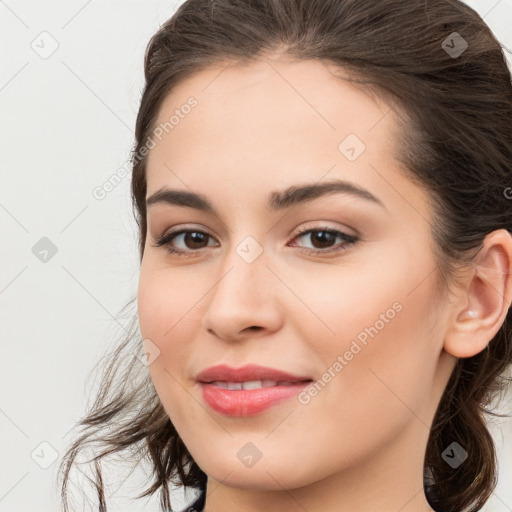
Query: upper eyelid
{"type": "Point", "coordinates": [298, 231]}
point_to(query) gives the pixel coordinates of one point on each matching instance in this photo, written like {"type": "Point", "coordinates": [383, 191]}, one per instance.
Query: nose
{"type": "Point", "coordinates": [244, 301]}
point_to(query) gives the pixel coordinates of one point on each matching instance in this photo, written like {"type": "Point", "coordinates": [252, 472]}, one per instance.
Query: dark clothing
{"type": "Point", "coordinates": [198, 504]}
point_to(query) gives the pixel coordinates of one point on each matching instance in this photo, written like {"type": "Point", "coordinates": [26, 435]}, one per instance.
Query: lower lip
{"type": "Point", "coordinates": [247, 402]}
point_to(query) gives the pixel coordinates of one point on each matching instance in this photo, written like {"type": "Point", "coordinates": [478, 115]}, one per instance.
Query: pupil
{"type": "Point", "coordinates": [318, 236]}
{"type": "Point", "coordinates": [194, 238]}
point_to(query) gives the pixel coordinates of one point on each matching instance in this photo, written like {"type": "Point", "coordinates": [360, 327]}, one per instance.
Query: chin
{"type": "Point", "coordinates": [271, 473]}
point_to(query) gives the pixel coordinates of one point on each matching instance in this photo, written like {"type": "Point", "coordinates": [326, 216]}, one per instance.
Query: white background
{"type": "Point", "coordinates": [67, 126]}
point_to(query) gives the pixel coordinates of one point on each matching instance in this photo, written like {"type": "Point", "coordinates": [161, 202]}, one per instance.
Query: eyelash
{"type": "Point", "coordinates": [349, 241]}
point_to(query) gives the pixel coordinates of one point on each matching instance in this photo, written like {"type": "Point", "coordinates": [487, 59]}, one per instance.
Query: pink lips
{"type": "Point", "coordinates": [247, 402]}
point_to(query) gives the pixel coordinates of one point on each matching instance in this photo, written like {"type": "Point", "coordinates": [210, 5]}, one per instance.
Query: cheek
{"type": "Point", "coordinates": [381, 385]}
{"type": "Point", "coordinates": [369, 296]}
{"type": "Point", "coordinates": [376, 333]}
{"type": "Point", "coordinates": [166, 299]}
{"type": "Point", "coordinates": [168, 307]}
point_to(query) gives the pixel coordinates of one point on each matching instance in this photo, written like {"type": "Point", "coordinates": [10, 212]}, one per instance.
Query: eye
{"type": "Point", "coordinates": [323, 238]}
{"type": "Point", "coordinates": [193, 239]}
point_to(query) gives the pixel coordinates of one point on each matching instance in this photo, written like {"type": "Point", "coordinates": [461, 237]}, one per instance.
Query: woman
{"type": "Point", "coordinates": [323, 192]}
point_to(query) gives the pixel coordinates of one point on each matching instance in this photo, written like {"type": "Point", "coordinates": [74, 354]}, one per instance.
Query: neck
{"type": "Point", "coordinates": [391, 479]}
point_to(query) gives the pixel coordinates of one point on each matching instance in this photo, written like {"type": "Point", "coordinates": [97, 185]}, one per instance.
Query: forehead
{"type": "Point", "coordinates": [270, 123]}
{"type": "Point", "coordinates": [275, 93]}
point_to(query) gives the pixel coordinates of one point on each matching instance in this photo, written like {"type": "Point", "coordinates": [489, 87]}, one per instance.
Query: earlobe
{"type": "Point", "coordinates": [485, 298]}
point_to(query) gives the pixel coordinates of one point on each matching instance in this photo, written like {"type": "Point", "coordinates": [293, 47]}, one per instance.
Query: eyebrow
{"type": "Point", "coordinates": [278, 200]}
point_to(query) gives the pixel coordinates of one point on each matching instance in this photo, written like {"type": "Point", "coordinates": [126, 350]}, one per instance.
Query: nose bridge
{"type": "Point", "coordinates": [244, 274]}
{"type": "Point", "coordinates": [243, 296]}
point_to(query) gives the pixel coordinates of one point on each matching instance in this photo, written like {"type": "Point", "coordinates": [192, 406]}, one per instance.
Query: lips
{"type": "Point", "coordinates": [248, 390]}
{"type": "Point", "coordinates": [248, 373]}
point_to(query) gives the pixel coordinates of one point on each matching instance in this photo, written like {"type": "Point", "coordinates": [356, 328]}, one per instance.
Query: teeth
{"type": "Point", "coordinates": [251, 384]}
{"type": "Point", "coordinates": [255, 384]}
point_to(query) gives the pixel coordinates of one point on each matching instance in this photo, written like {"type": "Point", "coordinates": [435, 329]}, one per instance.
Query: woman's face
{"type": "Point", "coordinates": [354, 310]}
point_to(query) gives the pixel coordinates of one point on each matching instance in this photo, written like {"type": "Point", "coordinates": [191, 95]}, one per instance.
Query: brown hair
{"type": "Point", "coordinates": [455, 140]}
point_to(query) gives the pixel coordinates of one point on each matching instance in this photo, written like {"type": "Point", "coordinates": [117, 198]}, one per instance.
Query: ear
{"type": "Point", "coordinates": [484, 300]}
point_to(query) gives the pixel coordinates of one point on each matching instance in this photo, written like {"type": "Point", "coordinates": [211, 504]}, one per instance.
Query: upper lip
{"type": "Point", "coordinates": [245, 373]}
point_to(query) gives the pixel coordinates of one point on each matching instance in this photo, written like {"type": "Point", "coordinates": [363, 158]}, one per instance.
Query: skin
{"type": "Point", "coordinates": [359, 444]}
